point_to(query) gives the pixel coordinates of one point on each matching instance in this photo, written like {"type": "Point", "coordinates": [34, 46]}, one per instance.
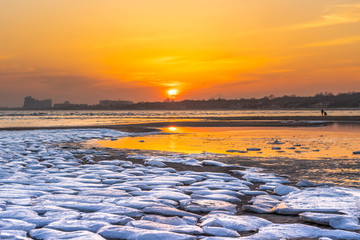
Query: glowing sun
{"type": "Point", "coordinates": [172, 93]}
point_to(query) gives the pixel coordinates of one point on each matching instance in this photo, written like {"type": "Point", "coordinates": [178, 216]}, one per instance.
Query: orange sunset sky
{"type": "Point", "coordinates": [86, 50]}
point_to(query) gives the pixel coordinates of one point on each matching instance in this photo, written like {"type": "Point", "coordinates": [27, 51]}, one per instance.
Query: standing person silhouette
{"type": "Point", "coordinates": [322, 112]}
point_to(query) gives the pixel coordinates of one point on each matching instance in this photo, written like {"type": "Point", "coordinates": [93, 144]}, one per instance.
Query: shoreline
{"type": "Point", "coordinates": [253, 121]}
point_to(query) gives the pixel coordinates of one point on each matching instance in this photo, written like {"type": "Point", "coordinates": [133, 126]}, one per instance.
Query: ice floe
{"type": "Point", "coordinates": [13, 234]}
{"type": "Point", "coordinates": [236, 223]}
{"type": "Point", "coordinates": [263, 204]}
{"type": "Point", "coordinates": [321, 199]}
{"type": "Point", "coordinates": [290, 231]}
{"type": "Point", "coordinates": [171, 220]}
{"type": "Point", "coordinates": [338, 221]}
{"type": "Point", "coordinates": [106, 217]}
{"type": "Point", "coordinates": [49, 190]}
{"type": "Point", "coordinates": [284, 190]}
{"type": "Point", "coordinates": [77, 225]}
{"type": "Point", "coordinates": [15, 224]}
{"type": "Point", "coordinates": [205, 205]}
{"type": "Point", "coordinates": [185, 229]}
{"type": "Point", "coordinates": [222, 197]}
{"type": "Point", "coordinates": [220, 231]}
{"type": "Point", "coordinates": [169, 211]}
{"type": "Point", "coordinates": [132, 233]}
{"type": "Point", "coordinates": [52, 234]}
{"type": "Point", "coordinates": [253, 175]}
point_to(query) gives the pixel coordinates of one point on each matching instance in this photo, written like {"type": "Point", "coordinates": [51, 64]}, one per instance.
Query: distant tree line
{"type": "Point", "coordinates": [320, 100]}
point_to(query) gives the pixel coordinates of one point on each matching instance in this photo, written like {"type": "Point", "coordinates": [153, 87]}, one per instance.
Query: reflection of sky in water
{"type": "Point", "coordinates": [335, 141]}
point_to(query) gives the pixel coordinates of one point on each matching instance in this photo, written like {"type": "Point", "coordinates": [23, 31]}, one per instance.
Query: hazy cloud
{"type": "Point", "coordinates": [334, 15]}
{"type": "Point", "coordinates": [6, 56]}
{"type": "Point", "coordinates": [333, 42]}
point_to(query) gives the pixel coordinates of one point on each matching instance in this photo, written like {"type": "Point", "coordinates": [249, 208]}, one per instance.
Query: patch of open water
{"type": "Point", "coordinates": [329, 142]}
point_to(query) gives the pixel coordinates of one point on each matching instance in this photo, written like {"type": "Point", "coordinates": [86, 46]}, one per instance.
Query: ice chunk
{"type": "Point", "coordinates": [215, 163]}
{"type": "Point", "coordinates": [205, 206]}
{"type": "Point", "coordinates": [139, 203]}
{"type": "Point", "coordinates": [166, 220]}
{"type": "Point", "coordinates": [73, 198]}
{"type": "Point", "coordinates": [18, 214]}
{"type": "Point", "coordinates": [131, 233]}
{"type": "Point", "coordinates": [192, 162]}
{"type": "Point", "coordinates": [104, 192]}
{"type": "Point", "coordinates": [284, 190]}
{"type": "Point", "coordinates": [155, 163]}
{"type": "Point", "coordinates": [290, 231]}
{"type": "Point", "coordinates": [337, 221]}
{"type": "Point", "coordinates": [263, 204]}
{"type": "Point", "coordinates": [40, 221]}
{"type": "Point", "coordinates": [185, 229]}
{"type": "Point", "coordinates": [321, 199]}
{"type": "Point", "coordinates": [52, 234]}
{"type": "Point", "coordinates": [77, 225]}
{"type": "Point", "coordinates": [84, 207]}
{"type": "Point", "coordinates": [305, 183]}
{"type": "Point", "coordinates": [268, 186]}
{"type": "Point", "coordinates": [176, 196]}
{"type": "Point", "coordinates": [120, 210]}
{"type": "Point", "coordinates": [258, 177]}
{"type": "Point", "coordinates": [253, 193]}
{"type": "Point", "coordinates": [237, 223]}
{"type": "Point", "coordinates": [13, 234]}
{"type": "Point", "coordinates": [14, 224]}
{"type": "Point", "coordinates": [110, 162]}
{"type": "Point", "coordinates": [221, 197]}
{"type": "Point", "coordinates": [219, 191]}
{"type": "Point", "coordinates": [218, 185]}
{"type": "Point", "coordinates": [169, 211]}
{"type": "Point", "coordinates": [220, 232]}
{"type": "Point", "coordinates": [106, 217]}
{"type": "Point", "coordinates": [183, 179]}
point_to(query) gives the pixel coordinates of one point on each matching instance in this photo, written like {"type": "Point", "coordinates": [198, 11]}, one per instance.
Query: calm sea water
{"type": "Point", "coordinates": [90, 118]}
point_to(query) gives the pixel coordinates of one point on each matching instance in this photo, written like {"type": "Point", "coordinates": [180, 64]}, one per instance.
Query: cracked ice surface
{"type": "Point", "coordinates": [46, 192]}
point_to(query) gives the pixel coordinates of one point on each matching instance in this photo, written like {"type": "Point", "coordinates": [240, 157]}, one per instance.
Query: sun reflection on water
{"type": "Point", "coordinates": [302, 143]}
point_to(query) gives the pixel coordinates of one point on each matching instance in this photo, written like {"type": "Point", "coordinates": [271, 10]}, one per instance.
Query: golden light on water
{"type": "Point", "coordinates": [313, 143]}
{"type": "Point", "coordinates": [172, 129]}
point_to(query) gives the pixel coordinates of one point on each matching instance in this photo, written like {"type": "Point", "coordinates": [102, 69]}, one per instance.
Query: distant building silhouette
{"type": "Point", "coordinates": [69, 106]}
{"type": "Point", "coordinates": [34, 104]}
{"type": "Point", "coordinates": [113, 103]}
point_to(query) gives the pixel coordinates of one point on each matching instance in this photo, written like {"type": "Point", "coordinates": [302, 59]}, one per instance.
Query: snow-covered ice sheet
{"type": "Point", "coordinates": [51, 191]}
